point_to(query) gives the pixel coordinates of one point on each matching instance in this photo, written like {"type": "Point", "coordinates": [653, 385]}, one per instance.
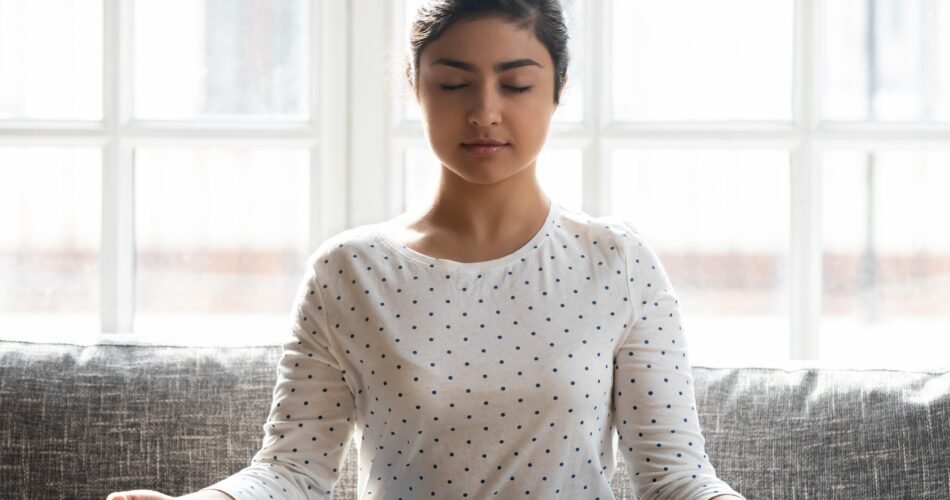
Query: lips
{"type": "Point", "coordinates": [485, 142]}
{"type": "Point", "coordinates": [484, 150]}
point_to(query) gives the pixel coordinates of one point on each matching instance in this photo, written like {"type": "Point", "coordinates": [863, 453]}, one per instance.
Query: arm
{"type": "Point", "coordinates": [654, 402]}
{"type": "Point", "coordinates": [312, 415]}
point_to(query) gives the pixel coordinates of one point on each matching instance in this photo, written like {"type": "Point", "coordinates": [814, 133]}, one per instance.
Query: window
{"type": "Point", "coordinates": [787, 159]}
{"type": "Point", "coordinates": [163, 165]}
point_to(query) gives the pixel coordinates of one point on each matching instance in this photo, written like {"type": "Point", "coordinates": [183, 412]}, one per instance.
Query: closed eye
{"type": "Point", "coordinates": [519, 90]}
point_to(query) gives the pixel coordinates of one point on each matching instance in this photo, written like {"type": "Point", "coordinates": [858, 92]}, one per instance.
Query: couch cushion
{"type": "Point", "coordinates": [80, 422]}
{"type": "Point", "coordinates": [828, 433]}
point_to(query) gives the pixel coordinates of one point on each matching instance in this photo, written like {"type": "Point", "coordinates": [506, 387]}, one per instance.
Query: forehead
{"type": "Point", "coordinates": [484, 43]}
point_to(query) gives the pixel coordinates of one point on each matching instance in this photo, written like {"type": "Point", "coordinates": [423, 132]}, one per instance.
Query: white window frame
{"type": "Point", "coordinates": [356, 137]}
{"type": "Point", "coordinates": [324, 135]}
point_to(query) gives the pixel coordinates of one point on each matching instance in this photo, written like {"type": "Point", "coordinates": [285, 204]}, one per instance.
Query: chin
{"type": "Point", "coordinates": [485, 173]}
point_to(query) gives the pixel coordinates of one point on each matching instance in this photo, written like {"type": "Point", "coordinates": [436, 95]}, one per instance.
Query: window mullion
{"type": "Point", "coordinates": [117, 253]}
{"type": "Point", "coordinates": [596, 195]}
{"type": "Point", "coordinates": [805, 183]}
{"type": "Point", "coordinates": [329, 101]}
{"type": "Point", "coordinates": [369, 112]}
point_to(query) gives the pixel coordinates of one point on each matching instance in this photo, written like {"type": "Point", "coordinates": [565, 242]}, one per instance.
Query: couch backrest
{"type": "Point", "coordinates": [80, 422]}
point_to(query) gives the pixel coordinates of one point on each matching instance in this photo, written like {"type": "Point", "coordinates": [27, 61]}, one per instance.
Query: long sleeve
{"type": "Point", "coordinates": [654, 402]}
{"type": "Point", "coordinates": [312, 415]}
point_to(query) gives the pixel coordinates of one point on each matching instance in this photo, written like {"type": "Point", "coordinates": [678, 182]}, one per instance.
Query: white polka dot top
{"type": "Point", "coordinates": [497, 379]}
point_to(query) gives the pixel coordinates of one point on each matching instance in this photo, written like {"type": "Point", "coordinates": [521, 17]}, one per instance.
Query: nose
{"type": "Point", "coordinates": [487, 108]}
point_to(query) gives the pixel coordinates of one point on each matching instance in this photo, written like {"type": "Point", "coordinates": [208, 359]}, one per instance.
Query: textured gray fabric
{"type": "Point", "coordinates": [79, 422]}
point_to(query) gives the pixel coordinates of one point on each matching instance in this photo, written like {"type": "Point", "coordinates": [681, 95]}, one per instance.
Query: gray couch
{"type": "Point", "coordinates": [79, 422]}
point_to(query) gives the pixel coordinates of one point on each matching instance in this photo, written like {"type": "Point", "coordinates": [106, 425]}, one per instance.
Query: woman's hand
{"type": "Point", "coordinates": [138, 495]}
{"type": "Point", "coordinates": [154, 495]}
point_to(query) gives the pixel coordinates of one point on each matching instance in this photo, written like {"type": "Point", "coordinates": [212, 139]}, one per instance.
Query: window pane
{"type": "Point", "coordinates": [681, 60]}
{"type": "Point", "coordinates": [422, 172]}
{"type": "Point", "coordinates": [558, 171]}
{"type": "Point", "coordinates": [222, 235]}
{"type": "Point", "coordinates": [51, 59]}
{"type": "Point", "coordinates": [886, 260]}
{"type": "Point", "coordinates": [221, 59]}
{"type": "Point", "coordinates": [50, 212]}
{"type": "Point", "coordinates": [886, 60]}
{"type": "Point", "coordinates": [719, 220]}
{"type": "Point", "coordinates": [571, 107]}
{"type": "Point", "coordinates": [560, 174]}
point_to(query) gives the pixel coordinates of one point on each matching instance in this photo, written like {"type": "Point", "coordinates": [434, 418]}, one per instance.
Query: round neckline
{"type": "Point", "coordinates": [383, 230]}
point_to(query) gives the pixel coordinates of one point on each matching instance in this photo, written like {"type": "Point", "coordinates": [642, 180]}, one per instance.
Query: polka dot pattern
{"type": "Point", "coordinates": [504, 378]}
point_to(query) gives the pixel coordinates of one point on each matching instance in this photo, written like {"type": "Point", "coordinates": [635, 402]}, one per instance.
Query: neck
{"type": "Point", "coordinates": [488, 212]}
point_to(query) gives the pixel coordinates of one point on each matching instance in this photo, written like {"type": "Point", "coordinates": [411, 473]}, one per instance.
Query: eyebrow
{"type": "Point", "coordinates": [502, 66]}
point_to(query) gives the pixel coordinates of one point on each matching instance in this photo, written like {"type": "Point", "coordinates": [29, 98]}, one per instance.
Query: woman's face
{"type": "Point", "coordinates": [483, 100]}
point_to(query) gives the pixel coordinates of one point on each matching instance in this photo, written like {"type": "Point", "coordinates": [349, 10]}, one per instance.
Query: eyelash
{"type": "Point", "coordinates": [518, 90]}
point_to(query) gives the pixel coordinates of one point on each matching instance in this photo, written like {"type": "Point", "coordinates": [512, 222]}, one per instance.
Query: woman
{"type": "Point", "coordinates": [488, 346]}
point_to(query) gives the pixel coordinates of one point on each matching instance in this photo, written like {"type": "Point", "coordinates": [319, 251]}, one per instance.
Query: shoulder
{"type": "Point", "coordinates": [624, 243]}
{"type": "Point", "coordinates": [622, 233]}
{"type": "Point", "coordinates": [343, 246]}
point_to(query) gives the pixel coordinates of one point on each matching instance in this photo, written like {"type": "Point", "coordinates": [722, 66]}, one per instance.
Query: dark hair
{"type": "Point", "coordinates": [545, 16]}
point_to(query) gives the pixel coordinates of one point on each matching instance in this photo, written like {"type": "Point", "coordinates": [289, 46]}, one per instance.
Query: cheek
{"type": "Point", "coordinates": [529, 121]}
{"type": "Point", "coordinates": [445, 135]}
{"type": "Point", "coordinates": [440, 109]}
{"type": "Point", "coordinates": [439, 121]}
